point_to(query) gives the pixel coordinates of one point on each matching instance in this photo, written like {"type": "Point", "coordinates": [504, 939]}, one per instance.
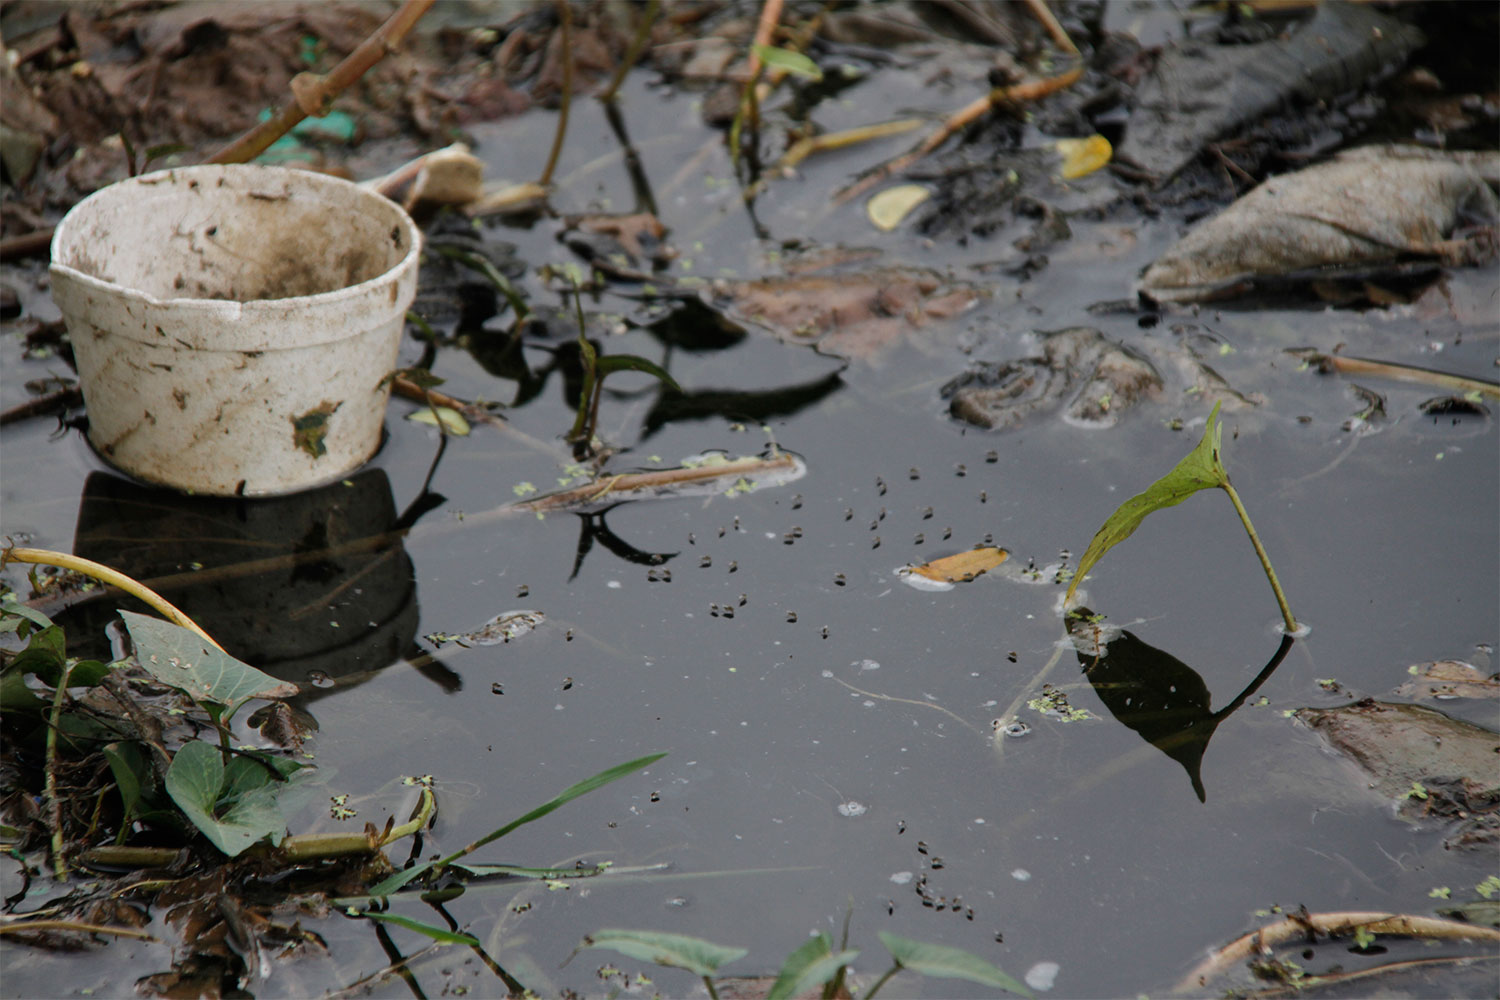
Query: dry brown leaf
{"type": "Point", "coordinates": [964, 566]}
{"type": "Point", "coordinates": [1444, 679]}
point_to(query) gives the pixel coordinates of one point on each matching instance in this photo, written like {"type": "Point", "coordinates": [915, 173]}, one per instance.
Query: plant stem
{"type": "Point", "coordinates": [642, 32]}
{"type": "Point", "coordinates": [712, 993]}
{"type": "Point", "coordinates": [881, 981]}
{"type": "Point", "coordinates": [102, 573]}
{"type": "Point", "coordinates": [566, 14]}
{"type": "Point", "coordinates": [49, 790]}
{"type": "Point", "coordinates": [373, 49]}
{"type": "Point", "coordinates": [1265, 560]}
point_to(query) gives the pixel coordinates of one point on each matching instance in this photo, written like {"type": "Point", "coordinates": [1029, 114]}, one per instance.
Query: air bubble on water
{"type": "Point", "coordinates": [901, 878]}
{"type": "Point", "coordinates": [853, 808]}
{"type": "Point", "coordinates": [1021, 875]}
{"type": "Point", "coordinates": [866, 664]}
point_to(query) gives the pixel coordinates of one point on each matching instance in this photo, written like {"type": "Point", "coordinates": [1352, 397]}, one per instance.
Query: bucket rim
{"type": "Point", "coordinates": [335, 297]}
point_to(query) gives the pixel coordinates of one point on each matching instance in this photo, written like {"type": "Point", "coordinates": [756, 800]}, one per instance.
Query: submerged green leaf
{"type": "Point", "coordinates": [1199, 470]}
{"type": "Point", "coordinates": [180, 659]}
{"type": "Point", "coordinates": [948, 963]}
{"type": "Point", "coordinates": [680, 951]}
{"type": "Point", "coordinates": [439, 934]}
{"type": "Point", "coordinates": [793, 62]}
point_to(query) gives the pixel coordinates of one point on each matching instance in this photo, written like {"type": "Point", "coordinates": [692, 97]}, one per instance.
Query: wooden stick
{"type": "Point", "coordinates": [1345, 365]}
{"type": "Point", "coordinates": [1043, 13]}
{"type": "Point", "coordinates": [1257, 942]}
{"type": "Point", "coordinates": [316, 93]}
{"type": "Point", "coordinates": [631, 482]}
{"type": "Point", "coordinates": [24, 926]}
{"type": "Point", "coordinates": [963, 117]}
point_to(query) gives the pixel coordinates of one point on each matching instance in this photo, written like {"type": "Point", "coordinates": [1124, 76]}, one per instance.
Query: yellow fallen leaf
{"type": "Point", "coordinates": [453, 421]}
{"type": "Point", "coordinates": [890, 206]}
{"type": "Point", "coordinates": [964, 566]}
{"type": "Point", "coordinates": [1083, 156]}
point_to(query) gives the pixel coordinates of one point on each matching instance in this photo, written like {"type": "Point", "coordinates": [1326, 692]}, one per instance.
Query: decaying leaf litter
{"type": "Point", "coordinates": [869, 309]}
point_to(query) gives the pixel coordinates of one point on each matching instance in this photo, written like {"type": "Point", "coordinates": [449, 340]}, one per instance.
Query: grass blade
{"type": "Point", "coordinates": [396, 881]}
{"type": "Point", "coordinates": [439, 934]}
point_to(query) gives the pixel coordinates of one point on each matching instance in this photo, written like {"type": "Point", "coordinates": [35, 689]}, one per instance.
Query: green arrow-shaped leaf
{"type": "Point", "coordinates": [1198, 470]}
{"type": "Point", "coordinates": [948, 963]}
{"type": "Point", "coordinates": [195, 780]}
{"type": "Point", "coordinates": [180, 659]}
{"type": "Point", "coordinates": [680, 951]}
{"type": "Point", "coordinates": [813, 964]}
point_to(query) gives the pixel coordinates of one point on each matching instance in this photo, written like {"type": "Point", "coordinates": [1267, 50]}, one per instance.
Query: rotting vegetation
{"type": "Point", "coordinates": [104, 779]}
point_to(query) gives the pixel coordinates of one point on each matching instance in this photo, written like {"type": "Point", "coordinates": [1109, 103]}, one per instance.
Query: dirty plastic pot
{"type": "Point", "coordinates": [232, 324]}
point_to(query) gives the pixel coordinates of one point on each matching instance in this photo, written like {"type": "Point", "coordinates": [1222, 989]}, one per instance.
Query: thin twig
{"type": "Point", "coordinates": [566, 14]}
{"type": "Point", "coordinates": [61, 399]}
{"type": "Point", "coordinates": [1346, 365]}
{"type": "Point", "coordinates": [1296, 927]}
{"type": "Point", "coordinates": [27, 245]}
{"type": "Point", "coordinates": [642, 33]}
{"type": "Point", "coordinates": [631, 482]}
{"type": "Point", "coordinates": [25, 926]}
{"type": "Point", "coordinates": [1030, 91]}
{"type": "Point", "coordinates": [1043, 13]}
{"type": "Point", "coordinates": [320, 93]}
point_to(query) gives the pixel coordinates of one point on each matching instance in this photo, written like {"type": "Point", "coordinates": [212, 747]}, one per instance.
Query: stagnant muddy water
{"type": "Point", "coordinates": [830, 729]}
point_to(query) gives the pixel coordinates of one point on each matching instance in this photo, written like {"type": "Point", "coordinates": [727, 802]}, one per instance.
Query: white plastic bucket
{"type": "Point", "coordinates": [232, 325]}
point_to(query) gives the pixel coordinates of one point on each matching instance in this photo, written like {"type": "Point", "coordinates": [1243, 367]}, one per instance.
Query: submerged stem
{"type": "Point", "coordinates": [1265, 560]}
{"type": "Point", "coordinates": [642, 33]}
{"type": "Point", "coordinates": [881, 981]}
{"type": "Point", "coordinates": [49, 788]}
{"type": "Point", "coordinates": [565, 13]}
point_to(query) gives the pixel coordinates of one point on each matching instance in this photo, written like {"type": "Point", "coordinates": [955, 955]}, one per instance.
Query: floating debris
{"type": "Point", "coordinates": [942, 574]}
{"type": "Point", "coordinates": [502, 628]}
